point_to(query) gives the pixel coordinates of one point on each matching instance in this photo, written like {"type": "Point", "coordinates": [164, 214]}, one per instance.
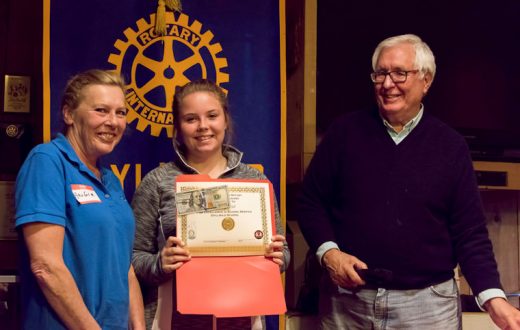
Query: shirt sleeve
{"type": "Point", "coordinates": [488, 294]}
{"type": "Point", "coordinates": [146, 254]}
{"type": "Point", "coordinates": [468, 228]}
{"type": "Point", "coordinates": [279, 230]}
{"type": "Point", "coordinates": [324, 248]}
{"type": "Point", "coordinates": [40, 191]}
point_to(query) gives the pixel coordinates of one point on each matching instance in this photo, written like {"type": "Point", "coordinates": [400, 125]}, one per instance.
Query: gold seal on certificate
{"type": "Point", "coordinates": [228, 223]}
{"type": "Point", "coordinates": [245, 227]}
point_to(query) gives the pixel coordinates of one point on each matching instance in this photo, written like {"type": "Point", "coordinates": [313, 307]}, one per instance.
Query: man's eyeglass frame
{"type": "Point", "coordinates": [398, 76]}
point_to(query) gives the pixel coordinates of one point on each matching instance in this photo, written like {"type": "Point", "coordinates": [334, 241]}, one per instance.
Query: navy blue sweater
{"type": "Point", "coordinates": [413, 208]}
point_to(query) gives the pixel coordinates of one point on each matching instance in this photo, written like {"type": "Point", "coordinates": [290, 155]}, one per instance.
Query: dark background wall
{"type": "Point", "coordinates": [476, 44]}
{"type": "Point", "coordinates": [20, 54]}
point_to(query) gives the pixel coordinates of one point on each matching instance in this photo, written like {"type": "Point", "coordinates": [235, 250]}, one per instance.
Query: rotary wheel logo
{"type": "Point", "coordinates": [11, 131]}
{"type": "Point", "coordinates": [155, 65]}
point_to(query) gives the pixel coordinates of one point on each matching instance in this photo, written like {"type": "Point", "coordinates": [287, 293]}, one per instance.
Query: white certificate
{"type": "Point", "coordinates": [243, 229]}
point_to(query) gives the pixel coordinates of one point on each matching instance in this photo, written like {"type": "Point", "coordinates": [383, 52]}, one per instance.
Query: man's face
{"type": "Point", "coordinates": [400, 99]}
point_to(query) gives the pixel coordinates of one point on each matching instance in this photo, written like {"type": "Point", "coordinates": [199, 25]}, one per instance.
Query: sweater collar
{"type": "Point", "coordinates": [398, 137]}
{"type": "Point", "coordinates": [232, 154]}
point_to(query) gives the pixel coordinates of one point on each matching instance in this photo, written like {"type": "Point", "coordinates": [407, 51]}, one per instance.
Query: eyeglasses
{"type": "Point", "coordinates": [399, 76]}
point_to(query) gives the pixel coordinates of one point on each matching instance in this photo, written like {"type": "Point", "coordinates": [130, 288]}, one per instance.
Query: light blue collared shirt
{"type": "Point", "coordinates": [398, 137]}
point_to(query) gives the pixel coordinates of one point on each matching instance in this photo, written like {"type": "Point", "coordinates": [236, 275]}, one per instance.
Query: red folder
{"type": "Point", "coordinates": [229, 286]}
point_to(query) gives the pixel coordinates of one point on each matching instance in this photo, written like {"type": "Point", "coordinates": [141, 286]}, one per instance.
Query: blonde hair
{"type": "Point", "coordinates": [72, 95]}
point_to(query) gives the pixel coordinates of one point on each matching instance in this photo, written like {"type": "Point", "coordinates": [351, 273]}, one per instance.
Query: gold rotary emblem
{"type": "Point", "coordinates": [157, 64]}
{"type": "Point", "coordinates": [11, 131]}
{"type": "Point", "coordinates": [228, 223]}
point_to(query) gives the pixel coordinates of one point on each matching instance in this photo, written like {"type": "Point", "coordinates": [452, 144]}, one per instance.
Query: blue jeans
{"type": "Point", "coordinates": [434, 307]}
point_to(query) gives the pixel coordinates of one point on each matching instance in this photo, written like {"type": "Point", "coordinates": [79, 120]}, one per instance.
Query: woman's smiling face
{"type": "Point", "coordinates": [96, 126]}
{"type": "Point", "coordinates": [203, 124]}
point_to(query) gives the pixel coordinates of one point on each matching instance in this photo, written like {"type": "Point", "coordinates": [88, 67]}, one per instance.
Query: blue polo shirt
{"type": "Point", "coordinates": [54, 186]}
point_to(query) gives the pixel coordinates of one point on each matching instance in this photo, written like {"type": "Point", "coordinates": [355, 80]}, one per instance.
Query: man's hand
{"type": "Point", "coordinates": [505, 315]}
{"type": "Point", "coordinates": [341, 267]}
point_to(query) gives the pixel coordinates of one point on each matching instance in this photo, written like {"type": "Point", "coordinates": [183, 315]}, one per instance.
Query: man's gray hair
{"type": "Point", "coordinates": [424, 59]}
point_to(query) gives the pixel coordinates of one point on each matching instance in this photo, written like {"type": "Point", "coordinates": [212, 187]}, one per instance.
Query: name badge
{"type": "Point", "coordinates": [85, 194]}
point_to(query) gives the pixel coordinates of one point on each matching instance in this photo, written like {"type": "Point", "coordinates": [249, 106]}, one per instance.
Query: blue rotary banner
{"type": "Point", "coordinates": [237, 44]}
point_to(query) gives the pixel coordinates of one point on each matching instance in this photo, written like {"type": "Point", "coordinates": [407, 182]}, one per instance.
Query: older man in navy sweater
{"type": "Point", "coordinates": [390, 204]}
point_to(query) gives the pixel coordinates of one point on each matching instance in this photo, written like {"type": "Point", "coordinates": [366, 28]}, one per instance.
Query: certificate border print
{"type": "Point", "coordinates": [214, 251]}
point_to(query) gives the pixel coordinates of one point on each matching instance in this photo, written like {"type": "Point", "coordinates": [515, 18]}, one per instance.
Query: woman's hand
{"type": "Point", "coordinates": [173, 254]}
{"type": "Point", "coordinates": [275, 249]}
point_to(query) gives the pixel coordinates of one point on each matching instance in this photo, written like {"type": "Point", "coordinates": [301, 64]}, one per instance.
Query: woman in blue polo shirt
{"type": "Point", "coordinates": [76, 225]}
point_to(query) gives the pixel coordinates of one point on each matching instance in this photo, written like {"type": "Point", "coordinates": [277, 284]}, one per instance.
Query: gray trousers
{"type": "Point", "coordinates": [434, 307]}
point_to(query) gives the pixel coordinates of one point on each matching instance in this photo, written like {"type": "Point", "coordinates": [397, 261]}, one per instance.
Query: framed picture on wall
{"type": "Point", "coordinates": [17, 94]}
